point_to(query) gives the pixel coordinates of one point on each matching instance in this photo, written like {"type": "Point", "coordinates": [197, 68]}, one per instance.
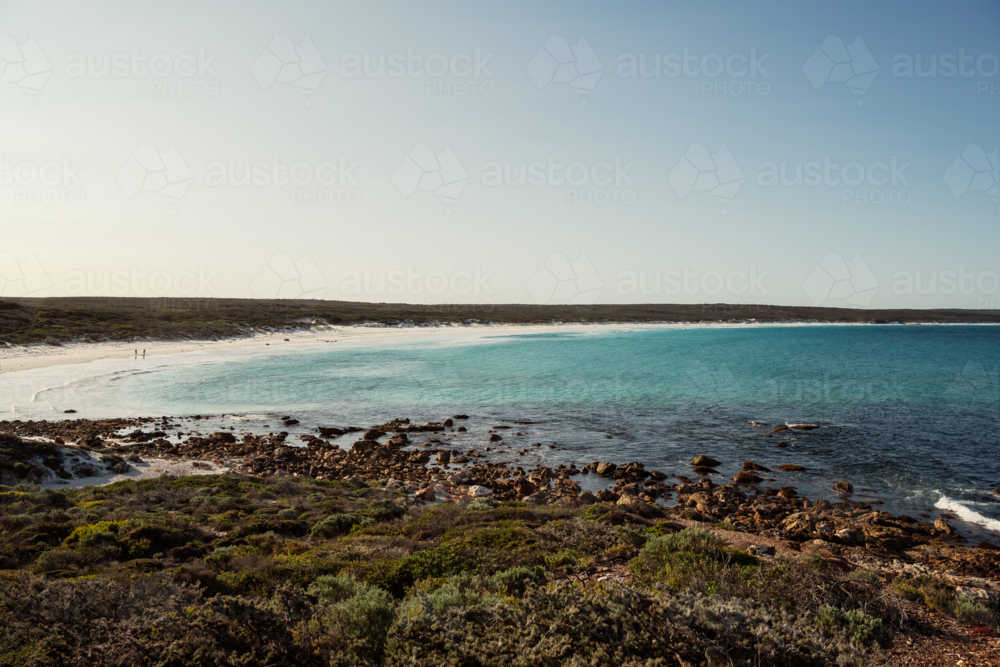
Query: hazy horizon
{"type": "Point", "coordinates": [837, 155]}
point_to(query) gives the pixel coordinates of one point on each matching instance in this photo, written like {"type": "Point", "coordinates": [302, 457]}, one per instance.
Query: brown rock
{"type": "Point", "coordinates": [447, 422]}
{"type": "Point", "coordinates": [790, 467]}
{"type": "Point", "coordinates": [606, 469]}
{"type": "Point", "coordinates": [756, 467]}
{"type": "Point", "coordinates": [843, 487]}
{"type": "Point", "coordinates": [524, 487]}
{"type": "Point", "coordinates": [778, 429]}
{"type": "Point", "coordinates": [607, 495]}
{"type": "Point", "coordinates": [657, 475]}
{"type": "Point", "coordinates": [587, 498]}
{"type": "Point", "coordinates": [372, 434]}
{"type": "Point", "coordinates": [746, 477]}
{"type": "Point", "coordinates": [706, 461]}
{"type": "Point", "coordinates": [704, 470]}
{"type": "Point", "coordinates": [444, 457]}
{"type": "Point", "coordinates": [943, 526]}
{"type": "Point", "coordinates": [495, 437]}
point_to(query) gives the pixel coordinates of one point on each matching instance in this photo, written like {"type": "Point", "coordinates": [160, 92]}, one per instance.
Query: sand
{"type": "Point", "coordinates": [147, 469]}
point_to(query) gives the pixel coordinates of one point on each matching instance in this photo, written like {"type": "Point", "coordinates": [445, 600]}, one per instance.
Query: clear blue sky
{"type": "Point", "coordinates": [659, 143]}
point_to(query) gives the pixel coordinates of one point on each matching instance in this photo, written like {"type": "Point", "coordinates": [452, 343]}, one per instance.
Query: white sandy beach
{"type": "Point", "coordinates": [22, 358]}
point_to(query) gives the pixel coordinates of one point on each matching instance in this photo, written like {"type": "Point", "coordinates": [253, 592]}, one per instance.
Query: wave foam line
{"type": "Point", "coordinates": [966, 514]}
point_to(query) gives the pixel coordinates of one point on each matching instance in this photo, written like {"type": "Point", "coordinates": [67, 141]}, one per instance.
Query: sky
{"type": "Point", "coordinates": [795, 153]}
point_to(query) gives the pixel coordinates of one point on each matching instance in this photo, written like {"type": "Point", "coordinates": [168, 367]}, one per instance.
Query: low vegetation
{"type": "Point", "coordinates": [55, 320]}
{"type": "Point", "coordinates": [241, 570]}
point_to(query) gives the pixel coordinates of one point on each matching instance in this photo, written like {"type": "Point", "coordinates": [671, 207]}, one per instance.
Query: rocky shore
{"type": "Point", "coordinates": [413, 461]}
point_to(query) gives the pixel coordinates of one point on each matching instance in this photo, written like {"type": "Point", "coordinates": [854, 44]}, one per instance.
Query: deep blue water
{"type": "Point", "coordinates": [913, 410]}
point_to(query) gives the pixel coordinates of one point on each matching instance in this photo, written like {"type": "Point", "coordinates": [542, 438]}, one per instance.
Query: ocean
{"type": "Point", "coordinates": [909, 414]}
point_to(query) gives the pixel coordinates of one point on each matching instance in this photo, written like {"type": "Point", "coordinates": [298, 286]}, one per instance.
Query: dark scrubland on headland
{"type": "Point", "coordinates": [396, 550]}
{"type": "Point", "coordinates": [60, 319]}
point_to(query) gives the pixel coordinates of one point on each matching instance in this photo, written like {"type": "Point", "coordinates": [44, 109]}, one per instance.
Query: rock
{"type": "Point", "coordinates": [754, 422]}
{"type": "Point", "coordinates": [657, 475]}
{"type": "Point", "coordinates": [448, 422]}
{"type": "Point", "coordinates": [846, 535]}
{"type": "Point", "coordinates": [790, 467]}
{"type": "Point", "coordinates": [495, 437]}
{"type": "Point", "coordinates": [372, 434]}
{"type": "Point", "coordinates": [943, 526]}
{"type": "Point", "coordinates": [460, 416]}
{"type": "Point", "coordinates": [587, 498]}
{"type": "Point", "coordinates": [444, 457]}
{"type": "Point", "coordinates": [290, 422]}
{"type": "Point", "coordinates": [781, 444]}
{"type": "Point", "coordinates": [121, 468]}
{"type": "Point", "coordinates": [756, 467]}
{"type": "Point", "coordinates": [606, 469]}
{"type": "Point", "coordinates": [705, 470]}
{"type": "Point", "coordinates": [222, 436]}
{"type": "Point", "coordinates": [461, 429]}
{"type": "Point", "coordinates": [803, 427]}
{"type": "Point", "coordinates": [843, 487]}
{"type": "Point", "coordinates": [69, 412]}
{"type": "Point", "coordinates": [761, 550]}
{"type": "Point", "coordinates": [607, 495]}
{"type": "Point", "coordinates": [524, 487]}
{"type": "Point", "coordinates": [778, 429]}
{"type": "Point", "coordinates": [480, 491]}
{"type": "Point", "coordinates": [997, 491]}
{"type": "Point", "coordinates": [746, 477]}
{"type": "Point", "coordinates": [426, 494]}
{"type": "Point", "coordinates": [706, 461]}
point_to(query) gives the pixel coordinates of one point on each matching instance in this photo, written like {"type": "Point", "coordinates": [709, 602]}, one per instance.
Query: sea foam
{"type": "Point", "coordinates": [966, 513]}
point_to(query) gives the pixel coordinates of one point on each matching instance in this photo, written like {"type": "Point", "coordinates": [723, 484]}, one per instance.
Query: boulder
{"type": "Point", "coordinates": [480, 491]}
{"type": "Point", "coordinates": [756, 467]}
{"type": "Point", "coordinates": [943, 526]}
{"type": "Point", "coordinates": [495, 437]}
{"type": "Point", "coordinates": [843, 487]}
{"type": "Point", "coordinates": [705, 470]}
{"type": "Point", "coordinates": [746, 477]}
{"type": "Point", "coordinates": [607, 495]}
{"type": "Point", "coordinates": [587, 498]}
{"type": "Point", "coordinates": [372, 434]}
{"type": "Point", "coordinates": [444, 457]}
{"type": "Point", "coordinates": [704, 461]}
{"type": "Point", "coordinates": [846, 536]}
{"type": "Point", "coordinates": [524, 487]}
{"type": "Point", "coordinates": [448, 422]}
{"type": "Point", "coordinates": [657, 475]}
{"type": "Point", "coordinates": [606, 469]}
{"type": "Point", "coordinates": [790, 467]}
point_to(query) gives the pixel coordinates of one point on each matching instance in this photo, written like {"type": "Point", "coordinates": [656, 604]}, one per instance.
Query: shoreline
{"type": "Point", "coordinates": [15, 358]}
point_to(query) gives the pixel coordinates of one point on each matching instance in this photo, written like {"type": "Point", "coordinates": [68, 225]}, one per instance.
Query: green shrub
{"type": "Point", "coordinates": [969, 612]}
{"type": "Point", "coordinates": [515, 580]}
{"type": "Point", "coordinates": [864, 629]}
{"type": "Point", "coordinates": [338, 524]}
{"type": "Point", "coordinates": [57, 559]}
{"type": "Point", "coordinates": [933, 592]}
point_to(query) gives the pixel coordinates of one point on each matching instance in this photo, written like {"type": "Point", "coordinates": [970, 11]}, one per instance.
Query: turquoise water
{"type": "Point", "coordinates": [912, 411]}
